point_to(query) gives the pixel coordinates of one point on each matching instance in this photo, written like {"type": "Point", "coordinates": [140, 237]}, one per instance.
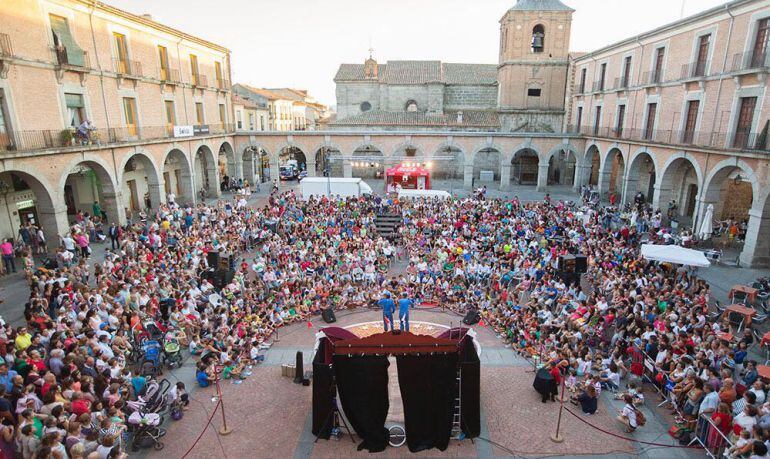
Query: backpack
{"type": "Point", "coordinates": [640, 419]}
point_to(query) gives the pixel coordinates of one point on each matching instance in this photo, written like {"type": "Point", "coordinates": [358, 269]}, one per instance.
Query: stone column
{"type": "Point", "coordinates": [212, 173]}
{"type": "Point", "coordinates": [239, 168]}
{"type": "Point", "coordinates": [604, 184]}
{"type": "Point", "coordinates": [581, 177]}
{"type": "Point", "coordinates": [629, 188]}
{"type": "Point", "coordinates": [275, 170]}
{"type": "Point", "coordinates": [248, 170]}
{"type": "Point", "coordinates": [347, 169]}
{"type": "Point", "coordinates": [505, 177]}
{"type": "Point", "coordinates": [468, 177]}
{"type": "Point", "coordinates": [54, 222]}
{"type": "Point", "coordinates": [186, 187]}
{"type": "Point", "coordinates": [660, 198]}
{"type": "Point", "coordinates": [311, 169]}
{"type": "Point", "coordinates": [542, 177]}
{"type": "Point", "coordinates": [157, 194]}
{"type": "Point", "coordinates": [756, 248]}
{"type": "Point", "coordinates": [115, 206]}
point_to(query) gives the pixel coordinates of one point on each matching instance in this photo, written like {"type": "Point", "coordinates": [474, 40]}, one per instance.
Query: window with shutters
{"type": "Point", "coordinates": [194, 69]}
{"type": "Point", "coordinates": [199, 112]}
{"type": "Point", "coordinates": [703, 54]}
{"type": "Point", "coordinates": [164, 69]}
{"type": "Point", "coordinates": [621, 120]}
{"type": "Point", "coordinates": [67, 50]}
{"type": "Point", "coordinates": [759, 53]}
{"type": "Point", "coordinates": [602, 75]}
{"type": "Point", "coordinates": [121, 53]}
{"type": "Point", "coordinates": [222, 115]}
{"type": "Point", "coordinates": [239, 119]}
{"type": "Point", "coordinates": [218, 74]}
{"type": "Point", "coordinates": [657, 69]}
{"type": "Point", "coordinates": [76, 109]}
{"type": "Point", "coordinates": [583, 73]}
{"type": "Point", "coordinates": [652, 109]}
{"type": "Point", "coordinates": [691, 121]}
{"type": "Point", "coordinates": [745, 122]}
{"type": "Point", "coordinates": [170, 116]}
{"type": "Point", "coordinates": [597, 119]}
{"type": "Point", "coordinates": [129, 112]}
{"type": "Point", "coordinates": [624, 80]}
{"type": "Point", "coordinates": [579, 120]}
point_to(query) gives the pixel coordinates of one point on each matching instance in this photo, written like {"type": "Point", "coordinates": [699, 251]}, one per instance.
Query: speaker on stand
{"type": "Point", "coordinates": [328, 316]}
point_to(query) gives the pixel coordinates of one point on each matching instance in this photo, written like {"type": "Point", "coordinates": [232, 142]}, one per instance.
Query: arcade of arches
{"type": "Point", "coordinates": [136, 179]}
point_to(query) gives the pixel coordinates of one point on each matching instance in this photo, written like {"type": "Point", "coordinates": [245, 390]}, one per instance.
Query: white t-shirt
{"type": "Point", "coordinates": [630, 413]}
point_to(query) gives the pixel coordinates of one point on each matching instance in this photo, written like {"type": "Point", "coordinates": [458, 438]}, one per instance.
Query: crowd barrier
{"type": "Point", "coordinates": [708, 436]}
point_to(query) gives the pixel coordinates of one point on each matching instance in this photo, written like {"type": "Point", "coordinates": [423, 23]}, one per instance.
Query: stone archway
{"type": "Point", "coordinates": [206, 173]}
{"type": "Point", "coordinates": [732, 188]}
{"type": "Point", "coordinates": [177, 176]}
{"type": "Point", "coordinates": [612, 173]}
{"type": "Point", "coordinates": [28, 200]}
{"type": "Point", "coordinates": [368, 162]}
{"type": "Point", "coordinates": [486, 166]}
{"type": "Point", "coordinates": [448, 163]}
{"type": "Point", "coordinates": [291, 156]}
{"type": "Point", "coordinates": [525, 167]}
{"type": "Point", "coordinates": [680, 183]}
{"type": "Point", "coordinates": [334, 167]}
{"type": "Point", "coordinates": [140, 183]}
{"type": "Point", "coordinates": [756, 247]}
{"type": "Point", "coordinates": [562, 168]}
{"type": "Point", "coordinates": [591, 167]}
{"type": "Point", "coordinates": [87, 182]}
{"type": "Point", "coordinates": [640, 178]}
{"type": "Point", "coordinates": [226, 162]}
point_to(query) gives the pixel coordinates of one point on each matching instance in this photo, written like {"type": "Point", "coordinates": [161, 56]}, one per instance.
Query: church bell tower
{"type": "Point", "coordinates": [533, 66]}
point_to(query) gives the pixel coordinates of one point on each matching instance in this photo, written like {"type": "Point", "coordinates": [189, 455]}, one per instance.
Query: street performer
{"type": "Point", "coordinates": [388, 307]}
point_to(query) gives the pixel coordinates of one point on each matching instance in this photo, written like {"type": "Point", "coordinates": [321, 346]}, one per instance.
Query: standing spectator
{"type": "Point", "coordinates": [6, 248]}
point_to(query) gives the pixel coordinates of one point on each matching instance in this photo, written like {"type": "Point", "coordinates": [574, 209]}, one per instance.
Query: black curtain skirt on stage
{"type": "Point", "coordinates": [323, 394]}
{"type": "Point", "coordinates": [428, 389]}
{"type": "Point", "coordinates": [362, 383]}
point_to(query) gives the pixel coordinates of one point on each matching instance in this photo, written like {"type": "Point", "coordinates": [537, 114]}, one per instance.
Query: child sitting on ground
{"type": "Point", "coordinates": [635, 393]}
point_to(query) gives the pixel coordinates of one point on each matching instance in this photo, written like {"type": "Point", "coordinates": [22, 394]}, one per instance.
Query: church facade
{"type": "Point", "coordinates": [523, 92]}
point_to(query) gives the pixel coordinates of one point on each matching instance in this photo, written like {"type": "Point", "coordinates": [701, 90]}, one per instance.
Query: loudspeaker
{"type": "Point", "coordinates": [212, 258]}
{"type": "Point", "coordinates": [581, 264]}
{"type": "Point", "coordinates": [224, 262]}
{"type": "Point", "coordinates": [328, 316]}
{"type": "Point", "coordinates": [567, 263]}
{"type": "Point", "coordinates": [472, 318]}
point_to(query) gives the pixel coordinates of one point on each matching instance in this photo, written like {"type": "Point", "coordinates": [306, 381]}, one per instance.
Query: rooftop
{"type": "Point", "coordinates": [423, 72]}
{"type": "Point", "coordinates": [540, 5]}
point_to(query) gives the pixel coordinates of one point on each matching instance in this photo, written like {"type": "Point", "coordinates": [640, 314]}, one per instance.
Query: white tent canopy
{"type": "Point", "coordinates": [674, 254]}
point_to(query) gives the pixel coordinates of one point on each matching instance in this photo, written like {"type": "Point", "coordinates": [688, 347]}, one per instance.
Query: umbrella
{"type": "Point", "coordinates": [674, 254]}
{"type": "Point", "coordinates": [707, 227]}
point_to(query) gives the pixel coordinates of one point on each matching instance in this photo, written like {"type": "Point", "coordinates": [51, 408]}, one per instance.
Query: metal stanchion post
{"type": "Point", "coordinates": [557, 438]}
{"type": "Point", "coordinates": [222, 430]}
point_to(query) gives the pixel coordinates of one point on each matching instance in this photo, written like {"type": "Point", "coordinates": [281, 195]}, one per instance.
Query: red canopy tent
{"type": "Point", "coordinates": [409, 177]}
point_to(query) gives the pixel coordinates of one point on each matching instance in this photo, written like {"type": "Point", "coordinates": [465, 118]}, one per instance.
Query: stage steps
{"type": "Point", "coordinates": [387, 225]}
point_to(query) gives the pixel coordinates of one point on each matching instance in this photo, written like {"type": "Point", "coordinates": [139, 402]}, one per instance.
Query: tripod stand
{"type": "Point", "coordinates": [335, 417]}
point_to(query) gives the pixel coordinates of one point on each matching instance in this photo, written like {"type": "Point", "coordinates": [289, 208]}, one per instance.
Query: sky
{"type": "Point", "coordinates": [301, 43]}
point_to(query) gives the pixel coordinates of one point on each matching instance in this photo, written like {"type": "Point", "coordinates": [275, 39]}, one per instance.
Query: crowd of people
{"type": "Point", "coordinates": [70, 374]}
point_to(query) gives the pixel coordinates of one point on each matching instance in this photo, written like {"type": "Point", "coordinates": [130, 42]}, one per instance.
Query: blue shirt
{"type": "Point", "coordinates": [7, 380]}
{"type": "Point", "coordinates": [404, 304]}
{"type": "Point", "coordinates": [387, 305]}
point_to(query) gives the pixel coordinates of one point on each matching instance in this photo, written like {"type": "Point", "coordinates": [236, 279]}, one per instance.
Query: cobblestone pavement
{"type": "Point", "coordinates": [270, 415]}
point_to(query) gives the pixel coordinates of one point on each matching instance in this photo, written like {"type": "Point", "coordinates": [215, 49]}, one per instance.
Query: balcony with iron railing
{"type": "Point", "coordinates": [223, 84]}
{"type": "Point", "coordinates": [71, 138]}
{"type": "Point", "coordinates": [698, 69]}
{"type": "Point", "coordinates": [652, 77]}
{"type": "Point", "coordinates": [756, 61]}
{"type": "Point", "coordinates": [621, 83]}
{"type": "Point", "coordinates": [599, 86]}
{"type": "Point", "coordinates": [72, 60]}
{"type": "Point", "coordinates": [743, 141]}
{"type": "Point", "coordinates": [127, 68]}
{"type": "Point", "coordinates": [169, 76]}
{"type": "Point", "coordinates": [199, 80]}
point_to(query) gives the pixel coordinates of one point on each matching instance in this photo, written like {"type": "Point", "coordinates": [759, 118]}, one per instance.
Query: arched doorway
{"type": "Point", "coordinates": [613, 170]}
{"type": "Point", "coordinates": [335, 166]}
{"type": "Point", "coordinates": [448, 164]}
{"type": "Point", "coordinates": [641, 177]}
{"type": "Point", "coordinates": [226, 164]}
{"type": "Point", "coordinates": [593, 164]}
{"type": "Point", "coordinates": [730, 189]}
{"type": "Point", "coordinates": [177, 176]}
{"type": "Point", "coordinates": [292, 158]}
{"type": "Point", "coordinates": [206, 176]}
{"type": "Point", "coordinates": [486, 166]}
{"type": "Point", "coordinates": [266, 173]}
{"type": "Point", "coordinates": [89, 182]}
{"type": "Point", "coordinates": [368, 162]}
{"type": "Point", "coordinates": [140, 185]}
{"type": "Point", "coordinates": [679, 183]}
{"type": "Point", "coordinates": [524, 167]}
{"type": "Point", "coordinates": [25, 200]}
{"type": "Point", "coordinates": [561, 168]}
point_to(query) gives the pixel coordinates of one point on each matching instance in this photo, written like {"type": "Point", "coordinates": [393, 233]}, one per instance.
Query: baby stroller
{"type": "Point", "coordinates": [171, 351]}
{"type": "Point", "coordinates": [152, 364]}
{"type": "Point", "coordinates": [146, 431]}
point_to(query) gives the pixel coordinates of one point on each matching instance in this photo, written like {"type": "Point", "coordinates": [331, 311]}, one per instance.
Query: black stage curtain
{"type": "Point", "coordinates": [323, 393]}
{"type": "Point", "coordinates": [428, 389]}
{"type": "Point", "coordinates": [470, 366]}
{"type": "Point", "coordinates": [362, 383]}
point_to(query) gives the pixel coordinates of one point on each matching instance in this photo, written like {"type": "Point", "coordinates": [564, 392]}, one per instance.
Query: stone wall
{"type": "Point", "coordinates": [350, 96]}
{"type": "Point", "coordinates": [531, 121]}
{"type": "Point", "coordinates": [466, 97]}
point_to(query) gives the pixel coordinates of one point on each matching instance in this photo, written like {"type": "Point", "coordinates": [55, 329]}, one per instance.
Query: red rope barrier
{"type": "Point", "coordinates": [627, 438]}
{"type": "Point", "coordinates": [204, 429]}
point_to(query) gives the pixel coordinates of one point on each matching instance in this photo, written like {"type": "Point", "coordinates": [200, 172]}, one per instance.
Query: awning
{"type": "Point", "coordinates": [62, 32]}
{"type": "Point", "coordinates": [674, 254]}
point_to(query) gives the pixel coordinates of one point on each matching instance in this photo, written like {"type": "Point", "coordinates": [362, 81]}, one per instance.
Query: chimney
{"type": "Point", "coordinates": [460, 117]}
